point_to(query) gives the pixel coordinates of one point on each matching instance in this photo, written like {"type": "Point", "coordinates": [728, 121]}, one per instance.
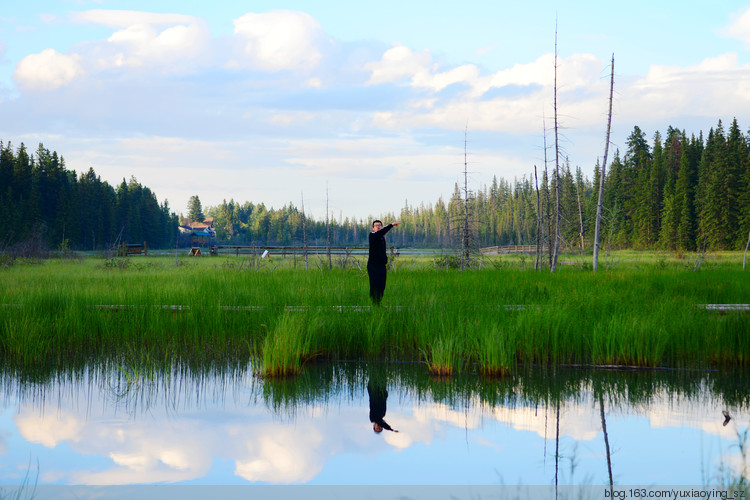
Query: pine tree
{"type": "Point", "coordinates": [195, 209]}
{"type": "Point", "coordinates": [714, 191]}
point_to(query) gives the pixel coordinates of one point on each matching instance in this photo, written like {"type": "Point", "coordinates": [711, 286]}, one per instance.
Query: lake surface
{"type": "Point", "coordinates": [114, 426]}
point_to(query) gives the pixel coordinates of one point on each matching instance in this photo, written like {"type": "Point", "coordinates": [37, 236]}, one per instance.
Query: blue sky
{"type": "Point", "coordinates": [276, 101]}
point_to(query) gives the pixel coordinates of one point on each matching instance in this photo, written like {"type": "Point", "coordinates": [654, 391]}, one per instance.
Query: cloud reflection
{"type": "Point", "coordinates": [166, 446]}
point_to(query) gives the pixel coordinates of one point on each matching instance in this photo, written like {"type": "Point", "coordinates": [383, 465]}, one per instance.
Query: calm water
{"type": "Point", "coordinates": [114, 427]}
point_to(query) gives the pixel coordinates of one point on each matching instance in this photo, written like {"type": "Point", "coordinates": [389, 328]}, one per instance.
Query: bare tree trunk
{"type": "Point", "coordinates": [744, 258]}
{"type": "Point", "coordinates": [538, 263]}
{"type": "Point", "coordinates": [606, 442]}
{"type": "Point", "coordinates": [580, 213]}
{"type": "Point", "coordinates": [547, 214]}
{"type": "Point", "coordinates": [304, 234]}
{"type": "Point", "coordinates": [597, 230]}
{"type": "Point", "coordinates": [553, 267]}
{"type": "Point", "coordinates": [557, 445]}
{"type": "Point", "coordinates": [328, 233]}
{"type": "Point", "coordinates": [465, 243]}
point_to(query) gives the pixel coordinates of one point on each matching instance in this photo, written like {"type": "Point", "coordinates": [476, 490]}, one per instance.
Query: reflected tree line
{"type": "Point", "coordinates": [325, 382]}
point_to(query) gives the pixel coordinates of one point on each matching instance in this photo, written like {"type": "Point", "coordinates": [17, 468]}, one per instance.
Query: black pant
{"type": "Point", "coordinates": [377, 282]}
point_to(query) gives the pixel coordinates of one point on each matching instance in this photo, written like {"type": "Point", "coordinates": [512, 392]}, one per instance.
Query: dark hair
{"type": "Point", "coordinates": [377, 220]}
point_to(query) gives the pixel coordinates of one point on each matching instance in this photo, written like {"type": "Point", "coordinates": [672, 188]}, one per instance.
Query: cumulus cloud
{"type": "Point", "coordinates": [278, 40]}
{"type": "Point", "coordinates": [141, 44]}
{"type": "Point", "coordinates": [739, 28]}
{"type": "Point", "coordinates": [281, 455]}
{"type": "Point", "coordinates": [508, 109]}
{"type": "Point", "coordinates": [399, 63]}
{"type": "Point", "coordinates": [47, 70]}
{"type": "Point", "coordinates": [170, 42]}
{"type": "Point", "coordinates": [716, 86]}
{"type": "Point", "coordinates": [167, 43]}
{"type": "Point", "coordinates": [49, 432]}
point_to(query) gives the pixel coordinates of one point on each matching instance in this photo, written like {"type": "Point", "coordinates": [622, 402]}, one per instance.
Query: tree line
{"type": "Point", "coordinates": [40, 198]}
{"type": "Point", "coordinates": [675, 192]}
{"type": "Point", "coordinates": [679, 193]}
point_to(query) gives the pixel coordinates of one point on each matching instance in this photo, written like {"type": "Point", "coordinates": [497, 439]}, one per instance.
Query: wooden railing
{"type": "Point", "coordinates": [508, 249]}
{"type": "Point", "coordinates": [292, 250]}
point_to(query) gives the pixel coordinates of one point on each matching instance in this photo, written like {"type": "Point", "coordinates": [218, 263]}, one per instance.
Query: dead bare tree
{"type": "Point", "coordinates": [557, 442]}
{"type": "Point", "coordinates": [304, 234]}
{"type": "Point", "coordinates": [597, 229]}
{"type": "Point", "coordinates": [328, 233]}
{"type": "Point", "coordinates": [547, 212]}
{"type": "Point", "coordinates": [538, 263]}
{"type": "Point", "coordinates": [606, 442]}
{"type": "Point", "coordinates": [553, 266]}
{"type": "Point", "coordinates": [466, 233]}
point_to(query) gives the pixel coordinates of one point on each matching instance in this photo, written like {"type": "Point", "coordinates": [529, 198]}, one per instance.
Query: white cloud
{"type": "Point", "coordinates": [141, 44]}
{"type": "Point", "coordinates": [717, 86]}
{"type": "Point", "coordinates": [279, 40]}
{"type": "Point", "coordinates": [520, 111]}
{"type": "Point", "coordinates": [281, 455]}
{"type": "Point", "coordinates": [463, 74]}
{"type": "Point", "coordinates": [739, 28]}
{"type": "Point", "coordinates": [50, 431]}
{"type": "Point", "coordinates": [127, 18]}
{"type": "Point", "coordinates": [47, 70]}
{"type": "Point", "coordinates": [170, 42]}
{"type": "Point", "coordinates": [399, 63]}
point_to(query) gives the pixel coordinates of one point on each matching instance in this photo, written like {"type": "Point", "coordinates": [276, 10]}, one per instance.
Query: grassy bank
{"type": "Point", "coordinates": [646, 313]}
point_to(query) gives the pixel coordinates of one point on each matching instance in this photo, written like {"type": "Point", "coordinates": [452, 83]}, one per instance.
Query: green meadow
{"type": "Point", "coordinates": [640, 309]}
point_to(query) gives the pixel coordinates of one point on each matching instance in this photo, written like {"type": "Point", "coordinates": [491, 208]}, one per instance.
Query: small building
{"type": "Point", "coordinates": [200, 238]}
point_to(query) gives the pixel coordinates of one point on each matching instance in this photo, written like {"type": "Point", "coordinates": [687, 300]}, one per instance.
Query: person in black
{"type": "Point", "coordinates": [378, 395]}
{"type": "Point", "coordinates": [377, 260]}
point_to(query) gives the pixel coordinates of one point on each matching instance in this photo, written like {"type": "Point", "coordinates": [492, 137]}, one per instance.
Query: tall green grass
{"type": "Point", "coordinates": [487, 321]}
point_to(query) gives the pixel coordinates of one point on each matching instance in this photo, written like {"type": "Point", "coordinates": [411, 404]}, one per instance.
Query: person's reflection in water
{"type": "Point", "coordinates": [378, 394]}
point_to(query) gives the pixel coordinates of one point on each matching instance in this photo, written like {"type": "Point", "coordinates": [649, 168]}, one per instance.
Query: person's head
{"type": "Point", "coordinates": [377, 225]}
{"type": "Point", "coordinates": [377, 428]}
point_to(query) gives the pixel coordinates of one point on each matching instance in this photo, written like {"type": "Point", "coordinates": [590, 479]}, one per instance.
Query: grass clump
{"type": "Point", "coordinates": [285, 350]}
{"type": "Point", "coordinates": [443, 356]}
{"type": "Point", "coordinates": [495, 351]}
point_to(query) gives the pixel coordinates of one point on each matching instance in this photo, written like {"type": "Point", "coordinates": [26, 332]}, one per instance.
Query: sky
{"type": "Point", "coordinates": [363, 107]}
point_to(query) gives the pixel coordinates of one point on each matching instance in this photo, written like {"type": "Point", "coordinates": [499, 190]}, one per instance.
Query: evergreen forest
{"type": "Point", "coordinates": [673, 192]}
{"type": "Point", "coordinates": [43, 202]}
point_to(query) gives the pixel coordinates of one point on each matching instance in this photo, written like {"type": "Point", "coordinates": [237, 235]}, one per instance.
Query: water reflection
{"type": "Point", "coordinates": [113, 426]}
{"type": "Point", "coordinates": [378, 395]}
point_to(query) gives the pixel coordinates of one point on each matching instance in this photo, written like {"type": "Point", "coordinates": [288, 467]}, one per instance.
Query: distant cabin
{"type": "Point", "coordinates": [201, 233]}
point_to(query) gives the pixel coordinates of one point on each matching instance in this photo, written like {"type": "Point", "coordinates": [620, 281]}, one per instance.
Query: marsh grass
{"type": "Point", "coordinates": [285, 350]}
{"type": "Point", "coordinates": [648, 314]}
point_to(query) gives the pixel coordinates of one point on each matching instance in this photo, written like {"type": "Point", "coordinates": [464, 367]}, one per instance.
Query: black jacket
{"type": "Point", "coordinates": [378, 396]}
{"type": "Point", "coordinates": [378, 256]}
